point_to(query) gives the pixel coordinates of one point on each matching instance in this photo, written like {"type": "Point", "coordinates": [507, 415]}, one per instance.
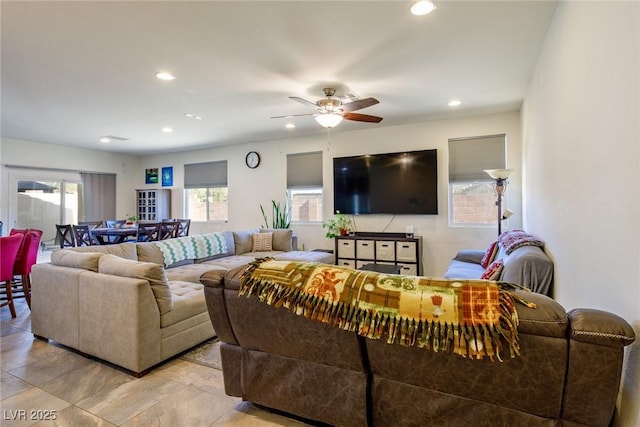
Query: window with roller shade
{"type": "Point", "coordinates": [206, 191]}
{"type": "Point", "coordinates": [472, 196]}
{"type": "Point", "coordinates": [304, 186]}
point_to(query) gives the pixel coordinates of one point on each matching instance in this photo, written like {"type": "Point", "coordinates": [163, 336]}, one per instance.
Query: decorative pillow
{"type": "Point", "coordinates": [489, 255]}
{"type": "Point", "coordinates": [154, 273]}
{"type": "Point", "coordinates": [281, 238]}
{"type": "Point", "coordinates": [243, 241]}
{"type": "Point", "coordinates": [74, 259]}
{"type": "Point", "coordinates": [262, 242]}
{"type": "Point", "coordinates": [493, 271]}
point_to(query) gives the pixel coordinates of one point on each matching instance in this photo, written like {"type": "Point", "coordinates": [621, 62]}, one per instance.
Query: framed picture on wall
{"type": "Point", "coordinates": [151, 176]}
{"type": "Point", "coordinates": [167, 176]}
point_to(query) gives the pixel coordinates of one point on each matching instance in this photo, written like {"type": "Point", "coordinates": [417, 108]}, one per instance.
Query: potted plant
{"type": "Point", "coordinates": [280, 218]}
{"type": "Point", "coordinates": [340, 225]}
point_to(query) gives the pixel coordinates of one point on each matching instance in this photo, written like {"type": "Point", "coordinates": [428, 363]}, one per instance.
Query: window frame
{"type": "Point", "coordinates": [207, 207]}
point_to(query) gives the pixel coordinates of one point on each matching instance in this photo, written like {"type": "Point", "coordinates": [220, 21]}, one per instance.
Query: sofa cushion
{"type": "Point", "coordinates": [262, 242]}
{"type": "Point", "coordinates": [188, 301]}
{"type": "Point", "coordinates": [493, 271]}
{"type": "Point", "coordinates": [148, 252]}
{"type": "Point", "coordinates": [281, 240]}
{"type": "Point", "coordinates": [463, 270]}
{"type": "Point", "coordinates": [243, 240]}
{"type": "Point", "coordinates": [190, 273]}
{"type": "Point", "coordinates": [123, 250]}
{"type": "Point", "coordinates": [75, 259]}
{"type": "Point", "coordinates": [489, 255]}
{"type": "Point", "coordinates": [154, 273]}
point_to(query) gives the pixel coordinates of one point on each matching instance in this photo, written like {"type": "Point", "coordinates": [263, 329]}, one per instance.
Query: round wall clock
{"type": "Point", "coordinates": [253, 159]}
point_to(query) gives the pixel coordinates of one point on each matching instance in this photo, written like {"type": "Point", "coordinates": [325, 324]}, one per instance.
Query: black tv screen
{"type": "Point", "coordinates": [390, 183]}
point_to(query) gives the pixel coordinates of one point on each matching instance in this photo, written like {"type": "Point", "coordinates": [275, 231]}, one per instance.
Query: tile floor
{"type": "Point", "coordinates": [41, 380]}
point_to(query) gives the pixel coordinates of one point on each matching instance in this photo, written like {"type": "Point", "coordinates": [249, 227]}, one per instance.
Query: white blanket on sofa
{"type": "Point", "coordinates": [192, 247]}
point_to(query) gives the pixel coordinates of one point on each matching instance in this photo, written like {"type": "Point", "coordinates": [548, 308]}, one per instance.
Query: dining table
{"type": "Point", "coordinates": [110, 236]}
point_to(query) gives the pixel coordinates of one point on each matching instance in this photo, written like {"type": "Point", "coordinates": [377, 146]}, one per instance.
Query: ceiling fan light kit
{"type": "Point", "coordinates": [329, 120]}
{"type": "Point", "coordinates": [331, 111]}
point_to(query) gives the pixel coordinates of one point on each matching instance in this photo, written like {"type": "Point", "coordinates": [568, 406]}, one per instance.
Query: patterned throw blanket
{"type": "Point", "coordinates": [514, 239]}
{"type": "Point", "coordinates": [192, 247]}
{"type": "Point", "coordinates": [472, 318]}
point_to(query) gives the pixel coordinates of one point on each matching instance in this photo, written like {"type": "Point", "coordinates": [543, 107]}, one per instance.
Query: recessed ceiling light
{"type": "Point", "coordinates": [290, 126]}
{"type": "Point", "coordinates": [423, 7]}
{"type": "Point", "coordinates": [104, 139]}
{"type": "Point", "coordinates": [163, 75]}
{"type": "Point", "coordinates": [454, 103]}
{"type": "Point", "coordinates": [193, 116]}
{"type": "Point", "coordinates": [167, 130]}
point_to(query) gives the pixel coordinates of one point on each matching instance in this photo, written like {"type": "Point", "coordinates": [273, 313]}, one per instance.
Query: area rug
{"type": "Point", "coordinates": [207, 354]}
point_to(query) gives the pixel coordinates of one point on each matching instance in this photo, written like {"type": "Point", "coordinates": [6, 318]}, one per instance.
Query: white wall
{"type": "Point", "coordinates": [581, 159]}
{"type": "Point", "coordinates": [47, 156]}
{"type": "Point", "coordinates": [250, 188]}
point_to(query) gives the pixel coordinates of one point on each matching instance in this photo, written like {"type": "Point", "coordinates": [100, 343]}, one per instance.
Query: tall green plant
{"type": "Point", "coordinates": [280, 216]}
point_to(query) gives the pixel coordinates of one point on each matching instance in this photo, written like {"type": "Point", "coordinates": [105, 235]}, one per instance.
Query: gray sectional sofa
{"type": "Point", "coordinates": [527, 265]}
{"type": "Point", "coordinates": [126, 305]}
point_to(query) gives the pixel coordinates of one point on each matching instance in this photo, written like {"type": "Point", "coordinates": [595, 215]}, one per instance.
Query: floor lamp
{"type": "Point", "coordinates": [500, 175]}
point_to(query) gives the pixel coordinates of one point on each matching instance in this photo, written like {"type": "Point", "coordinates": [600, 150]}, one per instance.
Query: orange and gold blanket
{"type": "Point", "coordinates": [472, 318]}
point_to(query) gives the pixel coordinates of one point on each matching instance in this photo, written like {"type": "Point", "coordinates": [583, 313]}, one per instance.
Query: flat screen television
{"type": "Point", "coordinates": [390, 183]}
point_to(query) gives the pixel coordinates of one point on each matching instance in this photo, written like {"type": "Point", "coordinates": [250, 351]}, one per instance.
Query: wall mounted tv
{"type": "Point", "coordinates": [390, 183]}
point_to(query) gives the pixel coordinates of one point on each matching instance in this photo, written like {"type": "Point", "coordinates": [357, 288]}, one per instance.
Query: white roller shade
{"type": "Point", "coordinates": [469, 157]}
{"type": "Point", "coordinates": [304, 170]}
{"type": "Point", "coordinates": [202, 175]}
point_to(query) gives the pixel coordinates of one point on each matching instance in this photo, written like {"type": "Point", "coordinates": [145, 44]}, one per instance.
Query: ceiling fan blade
{"type": "Point", "coordinates": [359, 104]}
{"type": "Point", "coordinates": [362, 117]}
{"type": "Point", "coordinates": [292, 115]}
{"type": "Point", "coordinates": [303, 101]}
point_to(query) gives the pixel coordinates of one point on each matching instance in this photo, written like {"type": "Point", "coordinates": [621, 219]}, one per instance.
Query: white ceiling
{"type": "Point", "coordinates": [75, 71]}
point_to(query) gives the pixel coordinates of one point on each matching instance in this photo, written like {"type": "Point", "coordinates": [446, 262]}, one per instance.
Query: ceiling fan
{"type": "Point", "coordinates": [331, 110]}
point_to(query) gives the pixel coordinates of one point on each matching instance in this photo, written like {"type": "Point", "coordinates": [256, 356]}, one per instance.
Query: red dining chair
{"type": "Point", "coordinates": [9, 249]}
{"type": "Point", "coordinates": [27, 256]}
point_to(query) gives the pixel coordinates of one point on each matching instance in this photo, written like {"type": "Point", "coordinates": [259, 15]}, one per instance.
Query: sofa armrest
{"type": "Point", "coordinates": [600, 327]}
{"type": "Point", "coordinates": [215, 283]}
{"type": "Point", "coordinates": [473, 256]}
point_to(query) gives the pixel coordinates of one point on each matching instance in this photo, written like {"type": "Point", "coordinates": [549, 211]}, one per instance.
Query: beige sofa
{"type": "Point", "coordinates": [123, 304]}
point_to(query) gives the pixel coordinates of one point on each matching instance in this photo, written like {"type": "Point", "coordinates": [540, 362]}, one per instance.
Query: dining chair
{"type": "Point", "coordinates": [115, 223]}
{"type": "Point", "coordinates": [169, 229]}
{"type": "Point", "coordinates": [183, 228]}
{"type": "Point", "coordinates": [9, 247]}
{"type": "Point", "coordinates": [26, 257]}
{"type": "Point", "coordinates": [64, 235]}
{"type": "Point", "coordinates": [148, 232]}
{"type": "Point", "coordinates": [92, 224]}
{"type": "Point", "coordinates": [82, 235]}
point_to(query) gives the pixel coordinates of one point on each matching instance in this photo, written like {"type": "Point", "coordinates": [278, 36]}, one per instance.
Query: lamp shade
{"type": "Point", "coordinates": [329, 120]}
{"type": "Point", "coordinates": [499, 173]}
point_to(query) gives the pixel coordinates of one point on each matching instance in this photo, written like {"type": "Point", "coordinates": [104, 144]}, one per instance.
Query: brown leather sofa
{"type": "Point", "coordinates": [568, 372]}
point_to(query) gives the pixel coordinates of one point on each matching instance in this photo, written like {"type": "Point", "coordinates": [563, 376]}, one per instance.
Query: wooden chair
{"type": "Point", "coordinates": [148, 232]}
{"type": "Point", "coordinates": [9, 247]}
{"type": "Point", "coordinates": [82, 235]}
{"type": "Point", "coordinates": [115, 223]}
{"type": "Point", "coordinates": [92, 224]}
{"type": "Point", "coordinates": [169, 229]}
{"type": "Point", "coordinates": [64, 235]}
{"type": "Point", "coordinates": [183, 229]}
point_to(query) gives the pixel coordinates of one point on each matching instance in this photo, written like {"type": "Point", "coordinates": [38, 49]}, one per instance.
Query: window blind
{"type": "Point", "coordinates": [304, 170]}
{"type": "Point", "coordinates": [469, 157]}
{"type": "Point", "coordinates": [203, 175]}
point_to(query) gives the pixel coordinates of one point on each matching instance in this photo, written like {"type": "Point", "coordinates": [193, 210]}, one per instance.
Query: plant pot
{"type": "Point", "coordinates": [344, 232]}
